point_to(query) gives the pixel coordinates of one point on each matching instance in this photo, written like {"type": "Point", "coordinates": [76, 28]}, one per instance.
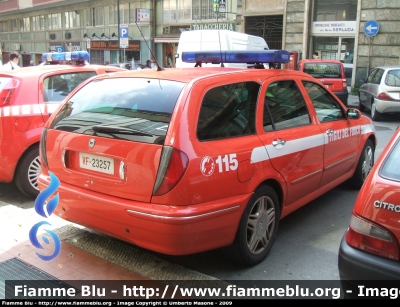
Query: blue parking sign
{"type": "Point", "coordinates": [123, 31]}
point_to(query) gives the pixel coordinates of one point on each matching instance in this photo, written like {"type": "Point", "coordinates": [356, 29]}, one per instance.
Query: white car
{"type": "Point", "coordinates": [381, 92]}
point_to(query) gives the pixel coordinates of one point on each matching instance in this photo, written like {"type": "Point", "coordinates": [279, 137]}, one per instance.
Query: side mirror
{"type": "Point", "coordinates": [353, 113]}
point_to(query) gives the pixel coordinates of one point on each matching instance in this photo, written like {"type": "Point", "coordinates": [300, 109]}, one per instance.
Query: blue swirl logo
{"type": "Point", "coordinates": [45, 209]}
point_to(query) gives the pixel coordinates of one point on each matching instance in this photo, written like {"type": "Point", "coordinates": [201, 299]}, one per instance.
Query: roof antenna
{"type": "Point", "coordinates": [159, 68]}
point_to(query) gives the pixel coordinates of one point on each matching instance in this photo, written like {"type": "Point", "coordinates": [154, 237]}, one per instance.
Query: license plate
{"type": "Point", "coordinates": [96, 163]}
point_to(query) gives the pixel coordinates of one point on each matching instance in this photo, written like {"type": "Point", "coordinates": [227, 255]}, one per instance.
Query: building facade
{"type": "Point", "coordinates": [141, 29]}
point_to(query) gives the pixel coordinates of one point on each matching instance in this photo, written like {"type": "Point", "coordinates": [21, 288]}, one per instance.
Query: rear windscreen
{"type": "Point", "coordinates": [126, 108]}
{"type": "Point", "coordinates": [393, 78]}
{"type": "Point", "coordinates": [391, 167]}
{"type": "Point", "coordinates": [323, 70]}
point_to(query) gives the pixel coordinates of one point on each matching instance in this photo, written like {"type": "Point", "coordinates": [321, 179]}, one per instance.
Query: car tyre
{"type": "Point", "coordinates": [375, 115]}
{"type": "Point", "coordinates": [257, 229]}
{"type": "Point", "coordinates": [28, 171]}
{"type": "Point", "coordinates": [361, 107]}
{"type": "Point", "coordinates": [365, 163]}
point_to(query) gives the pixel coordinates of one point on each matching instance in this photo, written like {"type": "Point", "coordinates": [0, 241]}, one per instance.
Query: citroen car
{"type": "Point", "coordinates": [370, 247]}
{"type": "Point", "coordinates": [27, 97]}
{"type": "Point", "coordinates": [185, 160]}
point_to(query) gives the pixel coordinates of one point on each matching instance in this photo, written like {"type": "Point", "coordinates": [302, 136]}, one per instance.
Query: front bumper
{"type": "Point", "coordinates": [173, 230]}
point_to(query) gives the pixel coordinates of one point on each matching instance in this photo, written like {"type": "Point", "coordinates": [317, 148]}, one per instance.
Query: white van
{"type": "Point", "coordinates": [217, 40]}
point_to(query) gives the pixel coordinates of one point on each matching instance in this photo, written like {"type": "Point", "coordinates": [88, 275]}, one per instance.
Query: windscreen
{"type": "Point", "coordinates": [136, 109]}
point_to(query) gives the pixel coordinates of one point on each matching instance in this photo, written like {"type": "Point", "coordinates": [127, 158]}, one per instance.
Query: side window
{"type": "Point", "coordinates": [326, 107]}
{"type": "Point", "coordinates": [228, 111]}
{"type": "Point", "coordinates": [284, 107]}
{"type": "Point", "coordinates": [371, 76]}
{"type": "Point", "coordinates": [57, 87]}
{"type": "Point", "coordinates": [378, 76]}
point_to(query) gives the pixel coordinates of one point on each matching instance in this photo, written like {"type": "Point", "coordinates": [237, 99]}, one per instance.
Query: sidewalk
{"type": "Point", "coordinates": [352, 101]}
{"type": "Point", "coordinates": [85, 255]}
{"type": "Point", "coordinates": [71, 264]}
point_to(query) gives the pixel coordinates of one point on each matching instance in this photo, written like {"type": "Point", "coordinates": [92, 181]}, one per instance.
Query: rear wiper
{"type": "Point", "coordinates": [119, 130]}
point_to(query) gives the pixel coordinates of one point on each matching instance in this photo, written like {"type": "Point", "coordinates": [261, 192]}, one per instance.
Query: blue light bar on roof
{"type": "Point", "coordinates": [241, 56]}
{"type": "Point", "coordinates": [79, 56]}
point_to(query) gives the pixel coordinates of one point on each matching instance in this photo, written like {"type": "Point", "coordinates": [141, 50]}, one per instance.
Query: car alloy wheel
{"type": "Point", "coordinates": [375, 115]}
{"type": "Point", "coordinates": [257, 229]}
{"type": "Point", "coordinates": [364, 166]}
{"type": "Point", "coordinates": [28, 171]}
{"type": "Point", "coordinates": [368, 160]}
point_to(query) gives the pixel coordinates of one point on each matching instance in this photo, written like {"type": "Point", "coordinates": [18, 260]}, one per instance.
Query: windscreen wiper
{"type": "Point", "coordinates": [119, 130]}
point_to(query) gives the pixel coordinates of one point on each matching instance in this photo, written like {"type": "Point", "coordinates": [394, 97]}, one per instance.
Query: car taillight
{"type": "Point", "coordinates": [8, 93]}
{"type": "Point", "coordinates": [173, 164]}
{"type": "Point", "coordinates": [344, 83]}
{"type": "Point", "coordinates": [42, 148]}
{"type": "Point", "coordinates": [371, 238]}
{"type": "Point", "coordinates": [384, 96]}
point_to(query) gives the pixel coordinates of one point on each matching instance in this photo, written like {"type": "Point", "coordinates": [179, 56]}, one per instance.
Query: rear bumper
{"type": "Point", "coordinates": [356, 265]}
{"type": "Point", "coordinates": [387, 106]}
{"type": "Point", "coordinates": [343, 96]}
{"type": "Point", "coordinates": [174, 230]}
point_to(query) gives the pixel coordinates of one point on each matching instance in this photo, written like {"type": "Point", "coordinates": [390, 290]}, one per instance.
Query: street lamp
{"type": "Point", "coordinates": [119, 21]}
{"type": "Point", "coordinates": [104, 36]}
{"type": "Point", "coordinates": [94, 35]}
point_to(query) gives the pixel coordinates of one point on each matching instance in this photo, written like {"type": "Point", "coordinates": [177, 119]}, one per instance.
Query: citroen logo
{"type": "Point", "coordinates": [91, 143]}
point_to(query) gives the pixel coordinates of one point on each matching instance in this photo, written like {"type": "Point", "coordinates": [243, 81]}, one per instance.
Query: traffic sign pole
{"type": "Point", "coordinates": [371, 28]}
{"type": "Point", "coordinates": [123, 38]}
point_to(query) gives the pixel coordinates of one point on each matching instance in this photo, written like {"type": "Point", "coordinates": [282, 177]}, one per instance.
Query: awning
{"type": "Point", "coordinates": [166, 39]}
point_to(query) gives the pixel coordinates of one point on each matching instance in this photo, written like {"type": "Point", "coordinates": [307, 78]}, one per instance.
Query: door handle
{"type": "Point", "coordinates": [278, 142]}
{"type": "Point", "coordinates": [329, 131]}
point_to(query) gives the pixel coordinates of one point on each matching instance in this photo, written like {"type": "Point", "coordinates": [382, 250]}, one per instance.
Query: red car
{"type": "Point", "coordinates": [330, 72]}
{"type": "Point", "coordinates": [181, 161]}
{"type": "Point", "coordinates": [27, 97]}
{"type": "Point", "coordinates": [370, 247]}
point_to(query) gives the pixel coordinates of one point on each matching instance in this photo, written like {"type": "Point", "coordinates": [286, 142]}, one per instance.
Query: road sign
{"type": "Point", "coordinates": [59, 49]}
{"type": "Point", "coordinates": [371, 28]}
{"type": "Point", "coordinates": [123, 36]}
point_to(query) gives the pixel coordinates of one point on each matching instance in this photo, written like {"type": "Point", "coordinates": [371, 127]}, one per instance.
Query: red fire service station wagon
{"type": "Point", "coordinates": [27, 97]}
{"type": "Point", "coordinates": [181, 161]}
